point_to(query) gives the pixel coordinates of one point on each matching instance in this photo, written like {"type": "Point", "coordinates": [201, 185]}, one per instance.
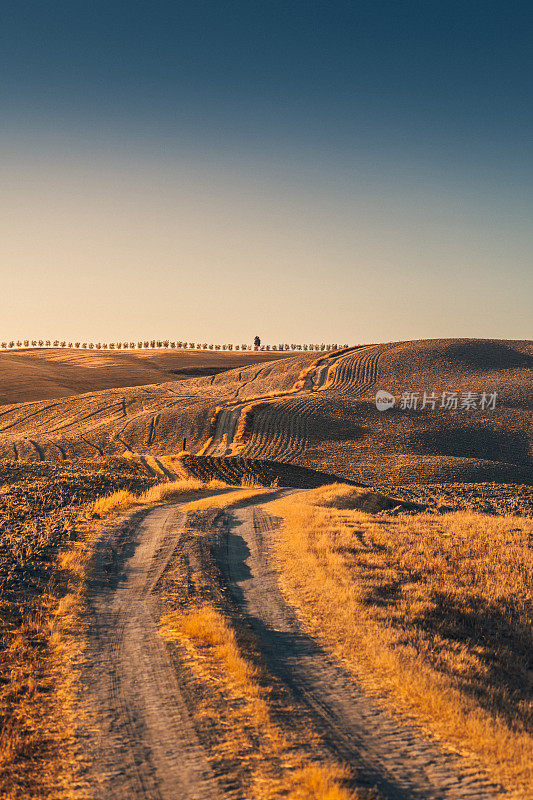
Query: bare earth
{"type": "Point", "coordinates": [299, 421]}
{"type": "Point", "coordinates": [145, 744]}
{"type": "Point", "coordinates": [328, 422]}
{"type": "Point", "coordinates": [42, 374]}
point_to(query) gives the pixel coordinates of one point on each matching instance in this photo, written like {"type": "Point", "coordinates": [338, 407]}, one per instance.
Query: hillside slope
{"type": "Point", "coordinates": [326, 421]}
{"type": "Point", "coordinates": [43, 374]}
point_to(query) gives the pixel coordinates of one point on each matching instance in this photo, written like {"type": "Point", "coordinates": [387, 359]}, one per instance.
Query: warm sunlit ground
{"type": "Point", "coordinates": [432, 611]}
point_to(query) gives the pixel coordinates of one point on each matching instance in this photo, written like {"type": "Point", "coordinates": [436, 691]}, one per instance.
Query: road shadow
{"type": "Point", "coordinates": [303, 667]}
{"type": "Point", "coordinates": [112, 551]}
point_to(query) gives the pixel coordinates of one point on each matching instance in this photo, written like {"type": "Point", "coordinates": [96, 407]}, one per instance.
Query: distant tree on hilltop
{"type": "Point", "coordinates": [257, 342]}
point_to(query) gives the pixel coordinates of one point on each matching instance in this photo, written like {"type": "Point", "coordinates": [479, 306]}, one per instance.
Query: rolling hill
{"type": "Point", "coordinates": [313, 411]}
{"type": "Point", "coordinates": [43, 374]}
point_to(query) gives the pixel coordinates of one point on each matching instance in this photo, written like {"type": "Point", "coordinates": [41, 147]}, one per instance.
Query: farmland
{"type": "Point", "coordinates": [326, 420]}
{"type": "Point", "coordinates": [177, 528]}
{"type": "Point", "coordinates": [44, 373]}
{"type": "Point", "coordinates": [43, 508]}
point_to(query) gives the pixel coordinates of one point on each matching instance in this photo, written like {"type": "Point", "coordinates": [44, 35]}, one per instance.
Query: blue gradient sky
{"type": "Point", "coordinates": [310, 171]}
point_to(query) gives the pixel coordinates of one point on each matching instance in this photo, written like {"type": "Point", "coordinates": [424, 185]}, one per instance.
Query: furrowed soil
{"type": "Point", "coordinates": [41, 374]}
{"type": "Point", "coordinates": [313, 411]}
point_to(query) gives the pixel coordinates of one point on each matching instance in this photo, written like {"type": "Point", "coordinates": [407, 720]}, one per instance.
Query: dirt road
{"type": "Point", "coordinates": [143, 743]}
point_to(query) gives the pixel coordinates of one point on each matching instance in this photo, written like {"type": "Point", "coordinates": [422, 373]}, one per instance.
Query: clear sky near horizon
{"type": "Point", "coordinates": [307, 171]}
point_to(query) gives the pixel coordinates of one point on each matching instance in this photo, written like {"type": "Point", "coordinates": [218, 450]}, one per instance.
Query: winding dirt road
{"type": "Point", "coordinates": [143, 743]}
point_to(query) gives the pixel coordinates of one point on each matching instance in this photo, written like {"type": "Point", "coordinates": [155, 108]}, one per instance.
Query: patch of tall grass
{"type": "Point", "coordinates": [160, 493]}
{"type": "Point", "coordinates": [432, 612]}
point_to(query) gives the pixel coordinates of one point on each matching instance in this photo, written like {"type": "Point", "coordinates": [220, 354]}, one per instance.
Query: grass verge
{"type": "Point", "coordinates": [160, 493]}
{"type": "Point", "coordinates": [236, 498]}
{"type": "Point", "coordinates": [433, 613]}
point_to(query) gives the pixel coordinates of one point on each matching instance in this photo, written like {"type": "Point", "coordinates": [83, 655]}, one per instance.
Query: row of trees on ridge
{"type": "Point", "coordinates": [166, 343]}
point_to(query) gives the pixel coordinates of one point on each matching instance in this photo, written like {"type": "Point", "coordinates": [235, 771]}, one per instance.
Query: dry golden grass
{"type": "Point", "coordinates": [36, 739]}
{"type": "Point", "coordinates": [320, 783]}
{"type": "Point", "coordinates": [205, 446]}
{"type": "Point", "coordinates": [432, 612]}
{"type": "Point", "coordinates": [249, 481]}
{"type": "Point", "coordinates": [344, 496]}
{"type": "Point", "coordinates": [179, 491]}
{"type": "Point", "coordinates": [247, 731]}
{"type": "Point", "coordinates": [208, 628]}
{"type": "Point", "coordinates": [118, 501]}
{"type": "Point", "coordinates": [175, 464]}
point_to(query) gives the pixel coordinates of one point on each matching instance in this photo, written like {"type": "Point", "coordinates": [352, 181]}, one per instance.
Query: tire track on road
{"type": "Point", "coordinates": [146, 747]}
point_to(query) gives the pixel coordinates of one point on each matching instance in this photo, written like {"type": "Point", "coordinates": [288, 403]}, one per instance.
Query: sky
{"type": "Point", "coordinates": [341, 172]}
